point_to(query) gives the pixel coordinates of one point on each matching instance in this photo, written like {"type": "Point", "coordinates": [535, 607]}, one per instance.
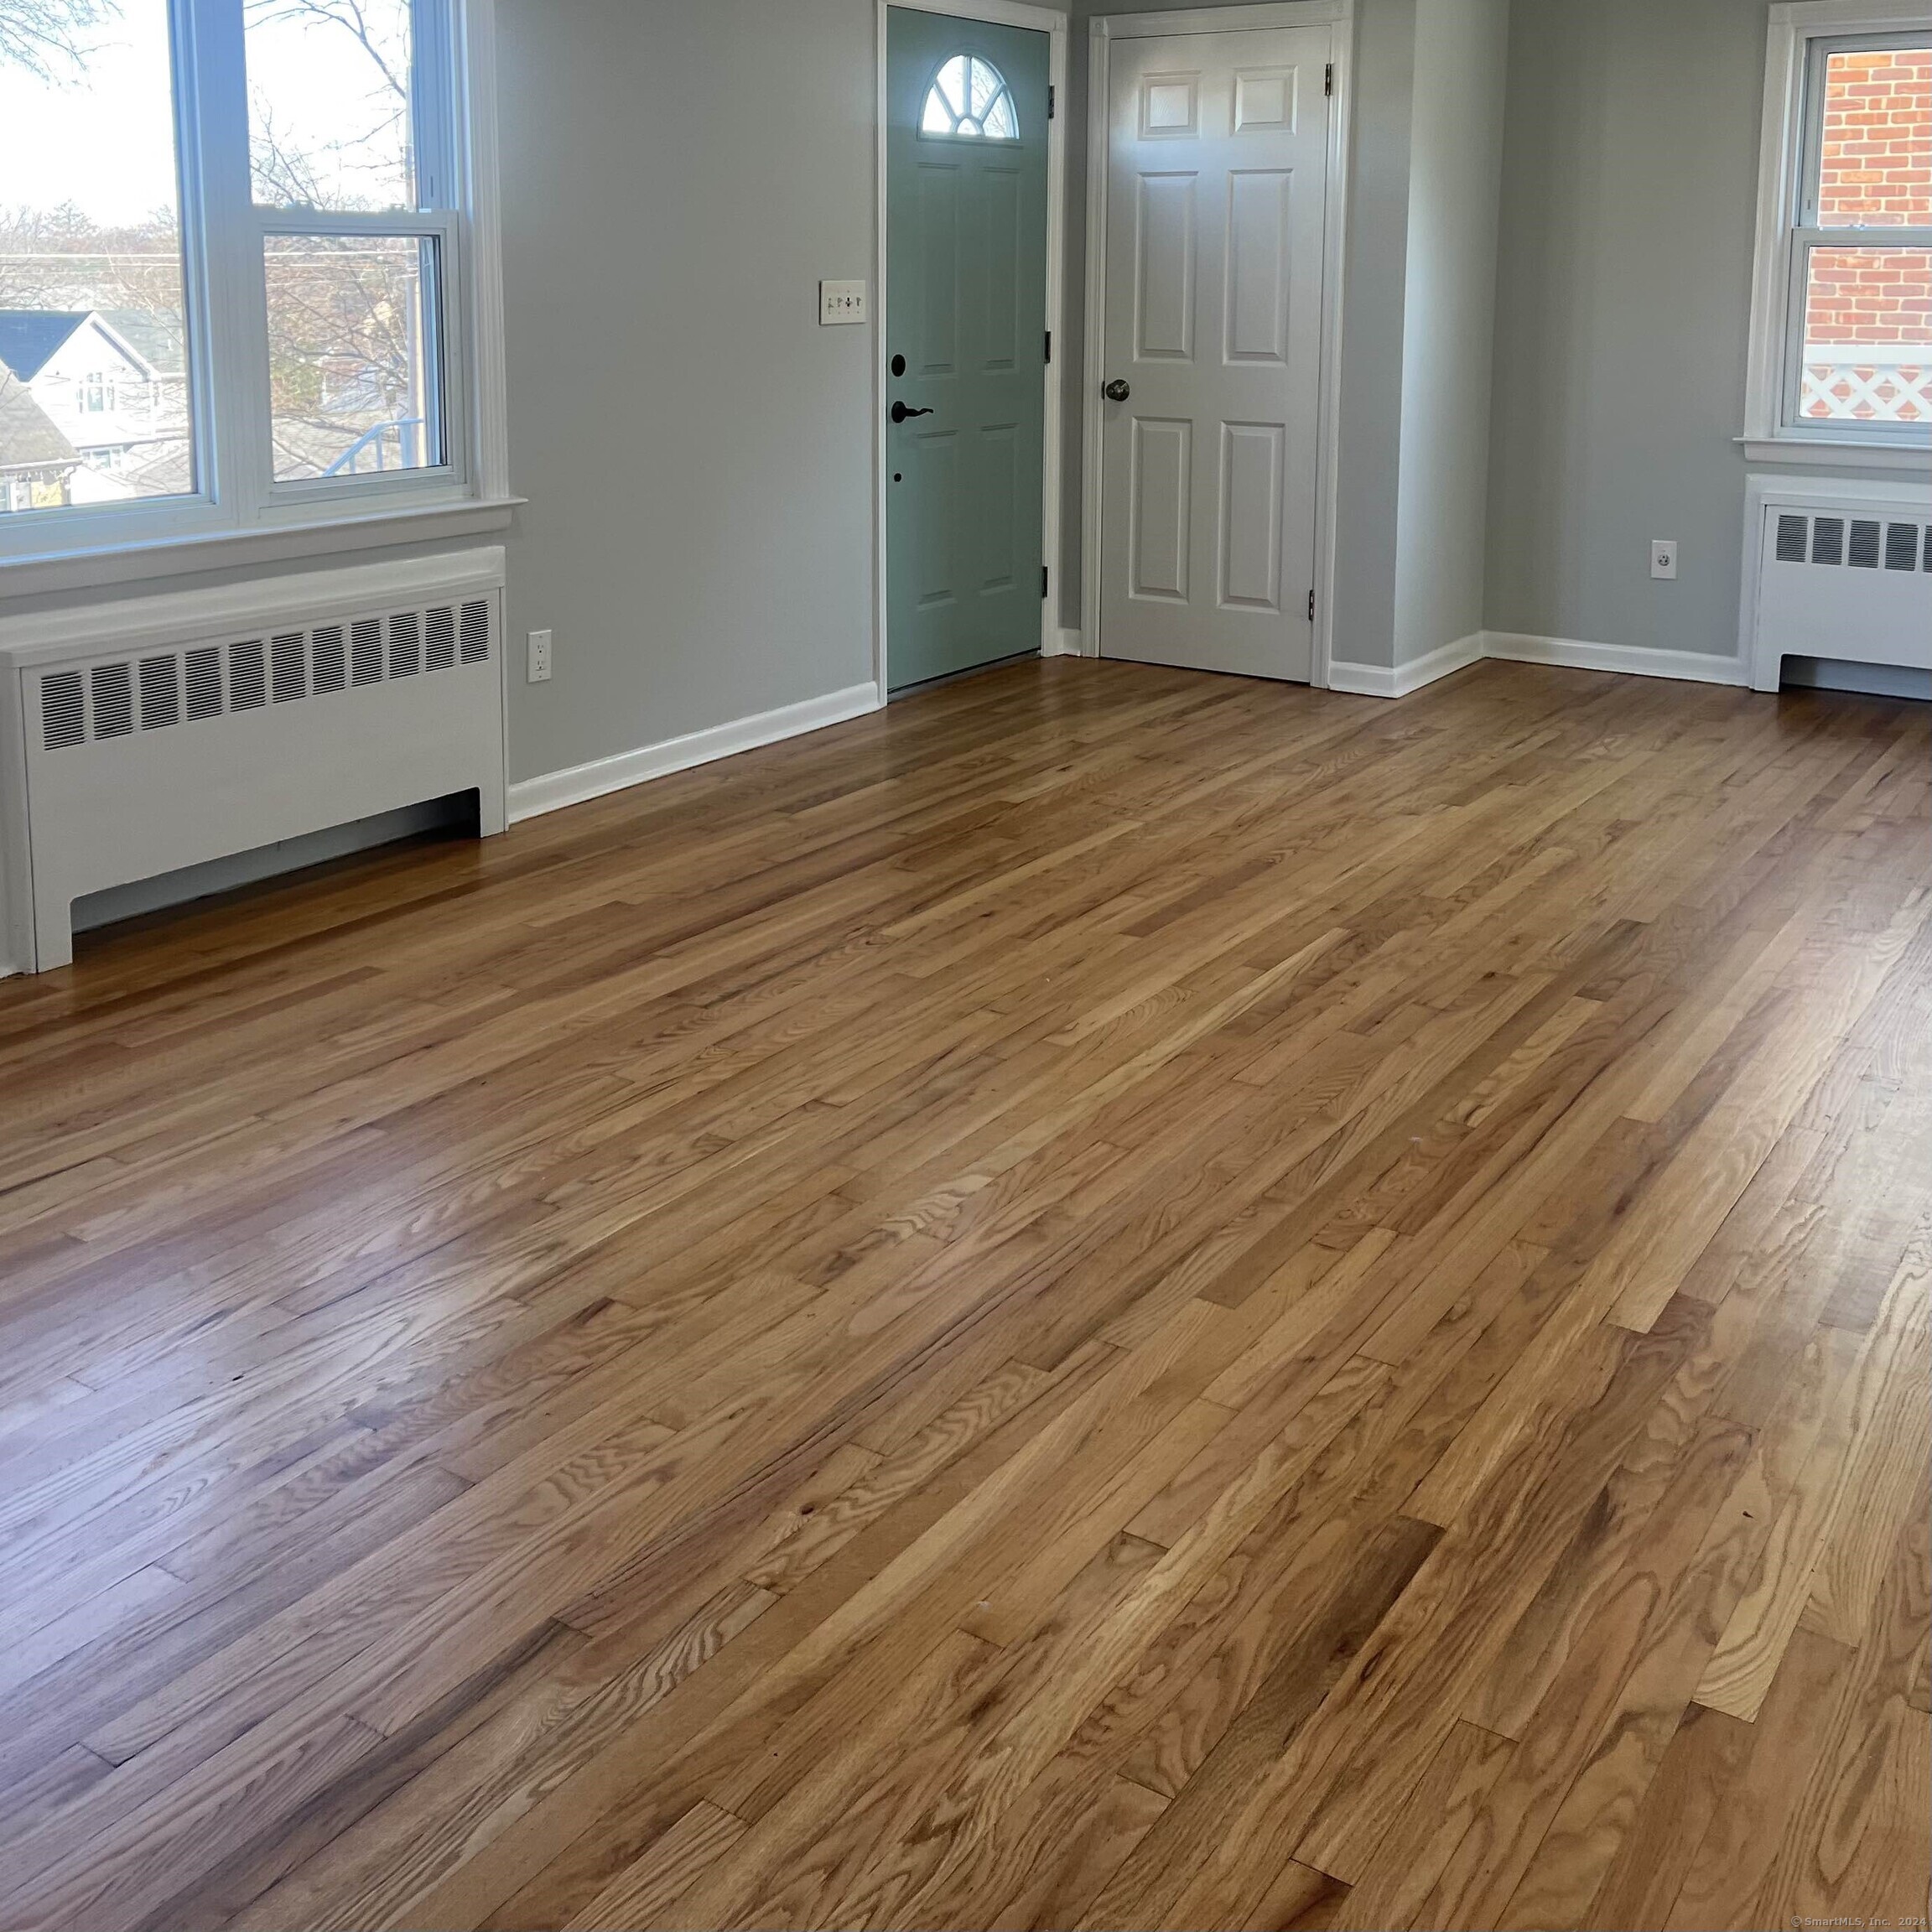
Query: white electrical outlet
{"type": "Point", "coordinates": [540, 643]}
{"type": "Point", "coordinates": [840, 303]}
{"type": "Point", "coordinates": [1664, 559]}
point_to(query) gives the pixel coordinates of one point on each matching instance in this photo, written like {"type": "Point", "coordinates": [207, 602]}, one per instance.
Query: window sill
{"type": "Point", "coordinates": [110, 566]}
{"type": "Point", "coordinates": [1815, 452]}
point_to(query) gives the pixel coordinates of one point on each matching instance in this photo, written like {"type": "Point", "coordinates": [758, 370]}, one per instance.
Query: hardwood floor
{"type": "Point", "coordinates": [1106, 1299]}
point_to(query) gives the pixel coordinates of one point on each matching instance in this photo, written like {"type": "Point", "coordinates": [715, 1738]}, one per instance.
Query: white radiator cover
{"type": "Point", "coordinates": [140, 737]}
{"type": "Point", "coordinates": [1836, 570]}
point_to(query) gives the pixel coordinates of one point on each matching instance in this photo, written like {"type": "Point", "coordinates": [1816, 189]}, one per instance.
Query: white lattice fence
{"type": "Point", "coordinates": [1850, 384]}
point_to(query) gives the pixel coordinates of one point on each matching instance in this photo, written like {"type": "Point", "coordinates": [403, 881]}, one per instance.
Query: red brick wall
{"type": "Point", "coordinates": [1877, 170]}
{"type": "Point", "coordinates": [1869, 296]}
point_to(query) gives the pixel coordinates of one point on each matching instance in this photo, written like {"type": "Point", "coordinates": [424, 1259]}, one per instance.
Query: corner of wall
{"type": "Point", "coordinates": [1449, 326]}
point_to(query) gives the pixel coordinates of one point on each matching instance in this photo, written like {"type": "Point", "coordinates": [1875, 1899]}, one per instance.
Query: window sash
{"type": "Point", "coordinates": [1793, 422]}
{"type": "Point", "coordinates": [223, 234]}
{"type": "Point", "coordinates": [446, 313]}
{"type": "Point", "coordinates": [1799, 236]}
{"type": "Point", "coordinates": [1814, 71]}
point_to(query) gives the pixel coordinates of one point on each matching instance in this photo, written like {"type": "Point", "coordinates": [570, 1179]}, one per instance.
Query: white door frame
{"type": "Point", "coordinates": [1042, 20]}
{"type": "Point", "coordinates": [1339, 16]}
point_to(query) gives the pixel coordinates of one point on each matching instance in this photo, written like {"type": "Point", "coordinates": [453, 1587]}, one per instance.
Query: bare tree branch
{"type": "Point", "coordinates": [348, 14]}
{"type": "Point", "coordinates": [48, 38]}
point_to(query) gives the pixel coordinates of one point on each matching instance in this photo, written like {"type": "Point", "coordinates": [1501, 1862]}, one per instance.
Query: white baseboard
{"type": "Point", "coordinates": [1065, 644]}
{"type": "Point", "coordinates": [1382, 681]}
{"type": "Point", "coordinates": [1631, 660]}
{"type": "Point", "coordinates": [534, 797]}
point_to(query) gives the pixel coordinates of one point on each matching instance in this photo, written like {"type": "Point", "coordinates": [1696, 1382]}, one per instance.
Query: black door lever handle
{"type": "Point", "coordinates": [901, 413]}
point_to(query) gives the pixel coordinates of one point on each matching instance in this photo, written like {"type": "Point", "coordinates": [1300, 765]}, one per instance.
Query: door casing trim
{"type": "Point", "coordinates": [999, 14]}
{"type": "Point", "coordinates": [1338, 16]}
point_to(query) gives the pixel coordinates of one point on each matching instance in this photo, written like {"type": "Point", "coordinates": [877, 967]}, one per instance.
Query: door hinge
{"type": "Point", "coordinates": [1328, 87]}
{"type": "Point", "coordinates": [1052, 101]}
{"type": "Point", "coordinates": [1049, 345]}
{"type": "Point", "coordinates": [1311, 607]}
{"type": "Point", "coordinates": [1045, 581]}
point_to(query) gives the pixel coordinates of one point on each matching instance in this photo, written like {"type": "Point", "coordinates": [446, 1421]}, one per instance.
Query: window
{"type": "Point", "coordinates": [1842, 338]}
{"type": "Point", "coordinates": [969, 100]}
{"type": "Point", "coordinates": [90, 227]}
{"type": "Point", "coordinates": [239, 228]}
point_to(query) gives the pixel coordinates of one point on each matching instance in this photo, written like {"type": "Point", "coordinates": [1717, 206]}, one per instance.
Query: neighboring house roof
{"type": "Point", "coordinates": [28, 436]}
{"type": "Point", "coordinates": [31, 338]}
{"type": "Point", "coordinates": [157, 341]}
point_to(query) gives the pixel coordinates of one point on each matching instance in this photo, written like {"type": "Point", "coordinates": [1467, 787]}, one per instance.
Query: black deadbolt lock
{"type": "Point", "coordinates": [898, 365]}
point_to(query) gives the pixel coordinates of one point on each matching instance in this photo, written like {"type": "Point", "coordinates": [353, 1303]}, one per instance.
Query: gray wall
{"type": "Point", "coordinates": [677, 176]}
{"type": "Point", "coordinates": [1629, 197]}
{"type": "Point", "coordinates": [1374, 313]}
{"type": "Point", "coordinates": [1449, 322]}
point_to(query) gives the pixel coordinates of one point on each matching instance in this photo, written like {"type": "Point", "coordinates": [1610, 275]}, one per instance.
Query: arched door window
{"type": "Point", "coordinates": [971, 100]}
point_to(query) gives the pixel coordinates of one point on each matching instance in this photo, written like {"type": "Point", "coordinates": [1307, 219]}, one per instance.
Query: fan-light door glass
{"type": "Point", "coordinates": [971, 100]}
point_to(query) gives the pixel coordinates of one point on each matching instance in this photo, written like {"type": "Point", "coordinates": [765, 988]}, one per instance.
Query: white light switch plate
{"type": "Point", "coordinates": [841, 302]}
{"type": "Point", "coordinates": [1664, 559]}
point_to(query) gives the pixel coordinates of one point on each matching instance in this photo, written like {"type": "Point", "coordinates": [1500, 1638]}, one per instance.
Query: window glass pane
{"type": "Point", "coordinates": [1868, 335]}
{"type": "Point", "coordinates": [986, 84]}
{"type": "Point", "coordinates": [94, 402]}
{"type": "Point", "coordinates": [1875, 166]}
{"type": "Point", "coordinates": [329, 104]}
{"type": "Point", "coordinates": [352, 355]}
{"type": "Point", "coordinates": [969, 98]}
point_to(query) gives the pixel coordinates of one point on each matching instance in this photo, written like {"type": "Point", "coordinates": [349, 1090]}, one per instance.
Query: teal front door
{"type": "Point", "coordinates": [965, 343]}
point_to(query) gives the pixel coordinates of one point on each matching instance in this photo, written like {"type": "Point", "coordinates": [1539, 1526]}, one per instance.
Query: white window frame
{"type": "Point", "coordinates": [239, 513]}
{"type": "Point", "coordinates": [1774, 432]}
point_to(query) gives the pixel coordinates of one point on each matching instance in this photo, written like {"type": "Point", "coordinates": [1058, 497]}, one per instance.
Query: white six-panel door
{"type": "Point", "coordinates": [1215, 218]}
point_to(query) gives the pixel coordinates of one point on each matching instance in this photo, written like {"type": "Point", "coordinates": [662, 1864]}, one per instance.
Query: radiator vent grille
{"type": "Point", "coordinates": [160, 693]}
{"type": "Point", "coordinates": [290, 667]}
{"type": "Point", "coordinates": [247, 683]}
{"type": "Point", "coordinates": [365, 651]}
{"type": "Point", "coordinates": [205, 683]}
{"type": "Point", "coordinates": [1860, 544]}
{"type": "Point", "coordinates": [442, 632]}
{"type": "Point", "coordinates": [63, 710]}
{"type": "Point", "coordinates": [405, 644]}
{"type": "Point", "coordinates": [114, 700]}
{"type": "Point", "coordinates": [329, 644]}
{"type": "Point", "coordinates": [289, 656]}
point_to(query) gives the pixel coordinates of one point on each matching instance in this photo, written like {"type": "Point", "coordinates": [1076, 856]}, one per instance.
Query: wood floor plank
{"type": "Point", "coordinates": [648, 1892]}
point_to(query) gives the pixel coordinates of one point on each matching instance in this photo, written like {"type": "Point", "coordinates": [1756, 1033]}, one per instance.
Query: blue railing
{"type": "Point", "coordinates": [377, 440]}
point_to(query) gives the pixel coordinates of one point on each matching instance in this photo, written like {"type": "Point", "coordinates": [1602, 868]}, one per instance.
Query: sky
{"type": "Point", "coordinates": [103, 137]}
